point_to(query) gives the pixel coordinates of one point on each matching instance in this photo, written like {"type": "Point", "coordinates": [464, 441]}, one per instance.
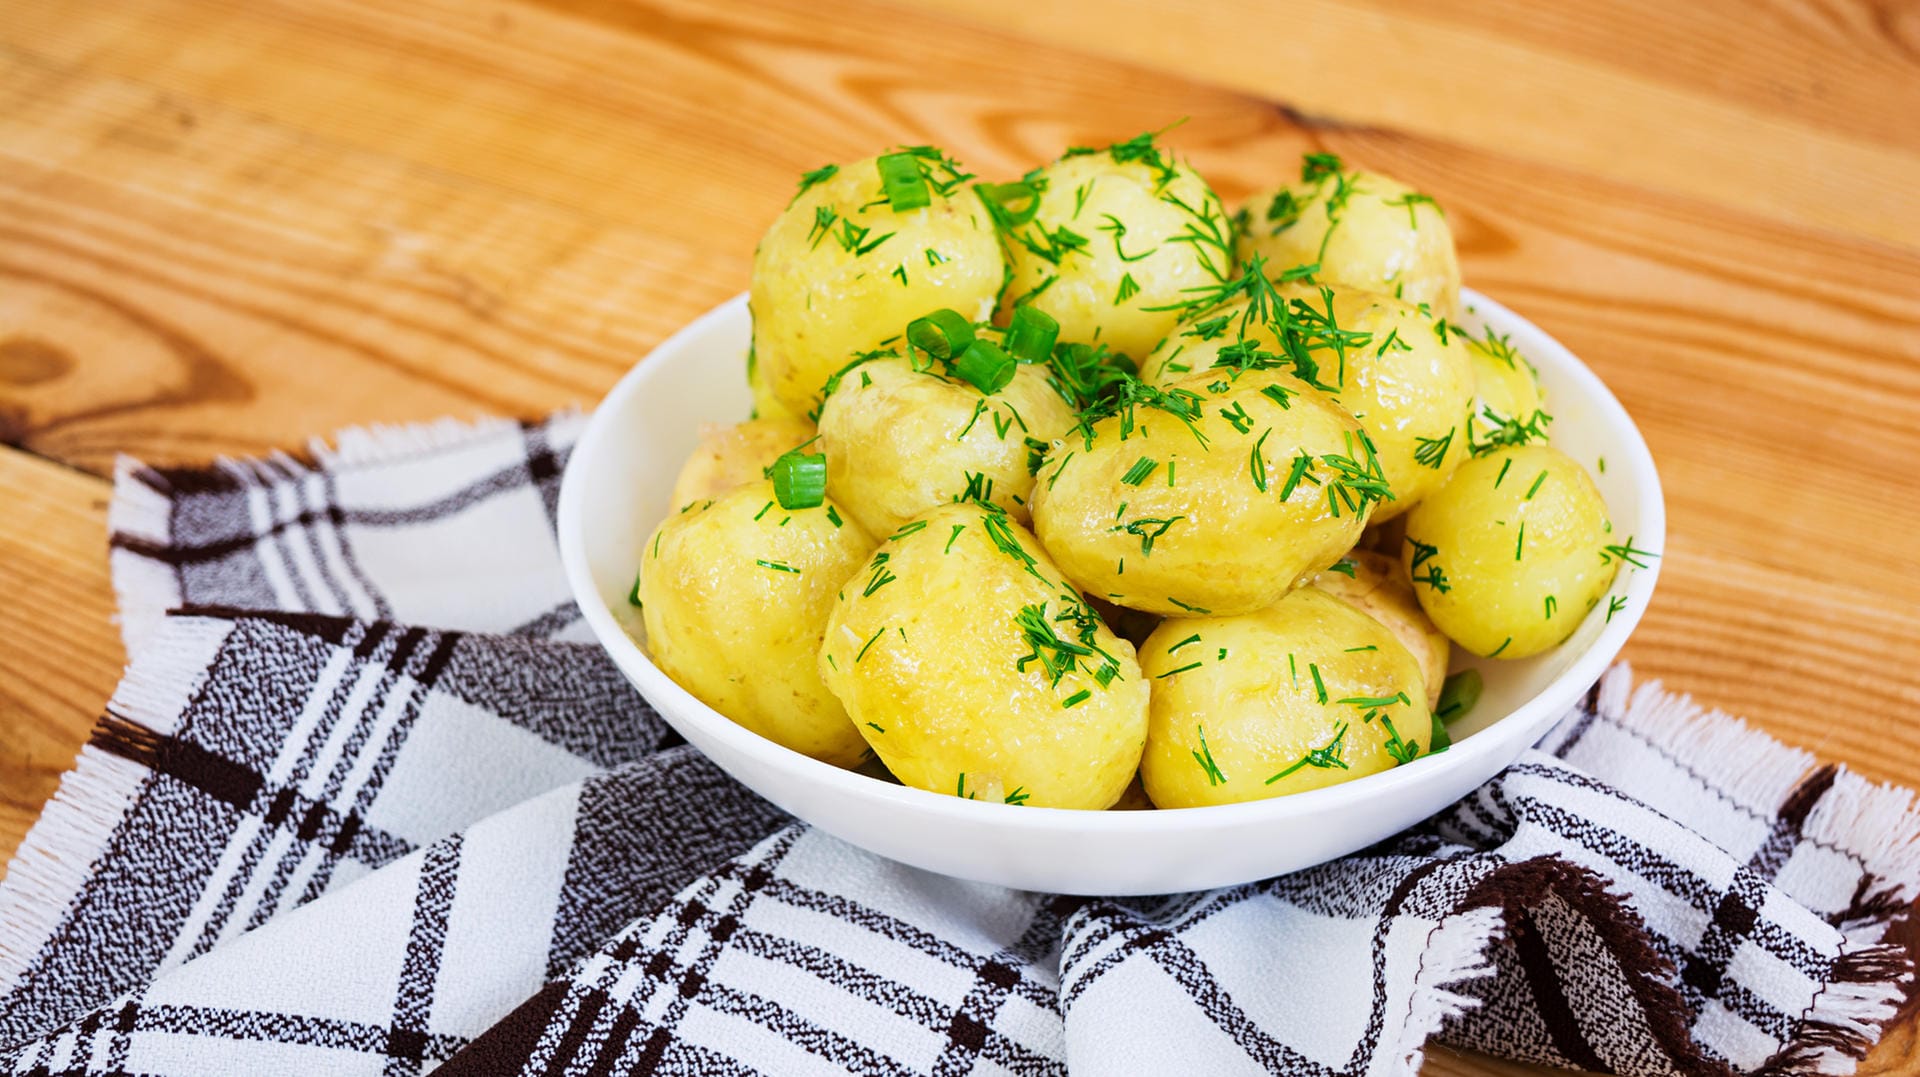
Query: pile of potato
{"type": "Point", "coordinates": [1077, 491]}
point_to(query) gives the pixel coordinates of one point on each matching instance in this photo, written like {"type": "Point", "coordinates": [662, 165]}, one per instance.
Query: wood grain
{"type": "Point", "coordinates": [59, 650]}
{"type": "Point", "coordinates": [228, 225]}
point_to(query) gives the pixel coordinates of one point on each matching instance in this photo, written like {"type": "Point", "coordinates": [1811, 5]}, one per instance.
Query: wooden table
{"type": "Point", "coordinates": [226, 225]}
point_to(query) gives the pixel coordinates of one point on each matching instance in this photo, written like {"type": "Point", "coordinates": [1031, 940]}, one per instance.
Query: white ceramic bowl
{"type": "Point", "coordinates": [617, 487]}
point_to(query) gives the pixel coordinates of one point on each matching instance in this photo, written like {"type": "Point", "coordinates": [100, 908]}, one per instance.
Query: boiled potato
{"type": "Point", "coordinates": [1117, 233]}
{"type": "Point", "coordinates": [735, 596]}
{"type": "Point", "coordinates": [1211, 496]}
{"type": "Point", "coordinates": [734, 454]}
{"type": "Point", "coordinates": [1364, 231]}
{"type": "Point", "coordinates": [841, 271]}
{"type": "Point", "coordinates": [1374, 584]}
{"type": "Point", "coordinates": [1510, 554]}
{"type": "Point", "coordinates": [900, 441]}
{"type": "Point", "coordinates": [1507, 391]}
{"type": "Point", "coordinates": [1401, 372]}
{"type": "Point", "coordinates": [765, 404]}
{"type": "Point", "coordinates": [1305, 693]}
{"type": "Point", "coordinates": [973, 668]}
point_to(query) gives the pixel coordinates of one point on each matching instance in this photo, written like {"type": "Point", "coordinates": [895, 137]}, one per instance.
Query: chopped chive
{"type": "Point", "coordinates": [943, 334]}
{"type": "Point", "coordinates": [1319, 686]}
{"type": "Point", "coordinates": [1504, 465]}
{"type": "Point", "coordinates": [1535, 488]}
{"type": "Point", "coordinates": [1257, 464]}
{"type": "Point", "coordinates": [905, 186]}
{"type": "Point", "coordinates": [1182, 669]}
{"type": "Point", "coordinates": [1458, 695]}
{"type": "Point", "coordinates": [984, 366]}
{"type": "Point", "coordinates": [960, 789]}
{"type": "Point", "coordinates": [1603, 465]}
{"type": "Point", "coordinates": [1495, 653]}
{"type": "Point", "coordinates": [1076, 699]}
{"type": "Point", "coordinates": [800, 480]}
{"type": "Point", "coordinates": [1195, 638]}
{"type": "Point", "coordinates": [778, 566]}
{"type": "Point", "coordinates": [1138, 473]}
{"type": "Point", "coordinates": [1628, 553]}
{"type": "Point", "coordinates": [1204, 757]}
{"type": "Point", "coordinates": [1520, 540]}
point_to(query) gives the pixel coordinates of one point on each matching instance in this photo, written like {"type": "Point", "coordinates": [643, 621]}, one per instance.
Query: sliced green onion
{"type": "Point", "coordinates": [944, 334]}
{"type": "Point", "coordinates": [800, 480]}
{"type": "Point", "coordinates": [1012, 204]}
{"type": "Point", "coordinates": [984, 366]}
{"type": "Point", "coordinates": [1457, 696]}
{"type": "Point", "coordinates": [1031, 334]}
{"type": "Point", "coordinates": [906, 187]}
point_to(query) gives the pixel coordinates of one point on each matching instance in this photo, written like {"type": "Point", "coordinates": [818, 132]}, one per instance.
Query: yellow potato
{"type": "Point", "coordinates": [1363, 229]}
{"type": "Point", "coordinates": [1402, 373]}
{"type": "Point", "coordinates": [1505, 385]}
{"type": "Point", "coordinates": [900, 441]}
{"type": "Point", "coordinates": [735, 597]}
{"type": "Point", "coordinates": [1227, 526]}
{"type": "Point", "coordinates": [1512, 552]}
{"type": "Point", "coordinates": [765, 404]}
{"type": "Point", "coordinates": [840, 272]}
{"type": "Point", "coordinates": [1118, 232]}
{"type": "Point", "coordinates": [733, 454]}
{"type": "Point", "coordinates": [1378, 587]}
{"type": "Point", "coordinates": [973, 668]}
{"type": "Point", "coordinates": [1306, 693]}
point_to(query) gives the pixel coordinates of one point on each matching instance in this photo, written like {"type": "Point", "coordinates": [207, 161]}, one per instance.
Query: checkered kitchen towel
{"type": "Point", "coordinates": [360, 806]}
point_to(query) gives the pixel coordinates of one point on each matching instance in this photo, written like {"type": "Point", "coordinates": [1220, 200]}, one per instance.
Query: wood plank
{"type": "Point", "coordinates": [1796, 109]}
{"type": "Point", "coordinates": [59, 650]}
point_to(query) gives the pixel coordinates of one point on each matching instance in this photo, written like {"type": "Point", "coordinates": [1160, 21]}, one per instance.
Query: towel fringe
{"type": "Point", "coordinates": [1867, 989]}
{"type": "Point", "coordinates": [1456, 952]}
{"type": "Point", "coordinates": [1746, 764]}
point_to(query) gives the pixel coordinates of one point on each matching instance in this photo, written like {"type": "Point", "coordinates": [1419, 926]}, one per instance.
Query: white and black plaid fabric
{"type": "Point", "coordinates": [359, 806]}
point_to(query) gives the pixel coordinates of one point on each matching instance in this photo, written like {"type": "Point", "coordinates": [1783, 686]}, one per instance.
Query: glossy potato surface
{"type": "Point", "coordinates": [1378, 587]}
{"type": "Point", "coordinates": [1205, 527]}
{"type": "Point", "coordinates": [1112, 239]}
{"type": "Point", "coordinates": [839, 272]}
{"type": "Point", "coordinates": [1510, 554]}
{"type": "Point", "coordinates": [1363, 229]}
{"type": "Point", "coordinates": [1306, 693]}
{"type": "Point", "coordinates": [940, 649]}
{"type": "Point", "coordinates": [735, 597]}
{"type": "Point", "coordinates": [734, 454]}
{"type": "Point", "coordinates": [900, 441]}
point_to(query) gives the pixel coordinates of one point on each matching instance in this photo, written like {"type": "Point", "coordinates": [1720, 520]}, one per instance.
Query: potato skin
{"type": "Point", "coordinates": [1379, 588]}
{"type": "Point", "coordinates": [1503, 381]}
{"type": "Point", "coordinates": [1484, 581]}
{"type": "Point", "coordinates": [1406, 382]}
{"type": "Point", "coordinates": [1086, 194]}
{"type": "Point", "coordinates": [765, 404]}
{"type": "Point", "coordinates": [745, 638]}
{"type": "Point", "coordinates": [900, 441]}
{"type": "Point", "coordinates": [734, 454]}
{"type": "Point", "coordinates": [1261, 713]}
{"type": "Point", "coordinates": [945, 686]}
{"type": "Point", "coordinates": [1379, 242]}
{"type": "Point", "coordinates": [1231, 547]}
{"type": "Point", "coordinates": [817, 303]}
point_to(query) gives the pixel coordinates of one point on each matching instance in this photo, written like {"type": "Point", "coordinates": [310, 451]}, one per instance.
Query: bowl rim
{"type": "Point", "coordinates": [1534, 715]}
